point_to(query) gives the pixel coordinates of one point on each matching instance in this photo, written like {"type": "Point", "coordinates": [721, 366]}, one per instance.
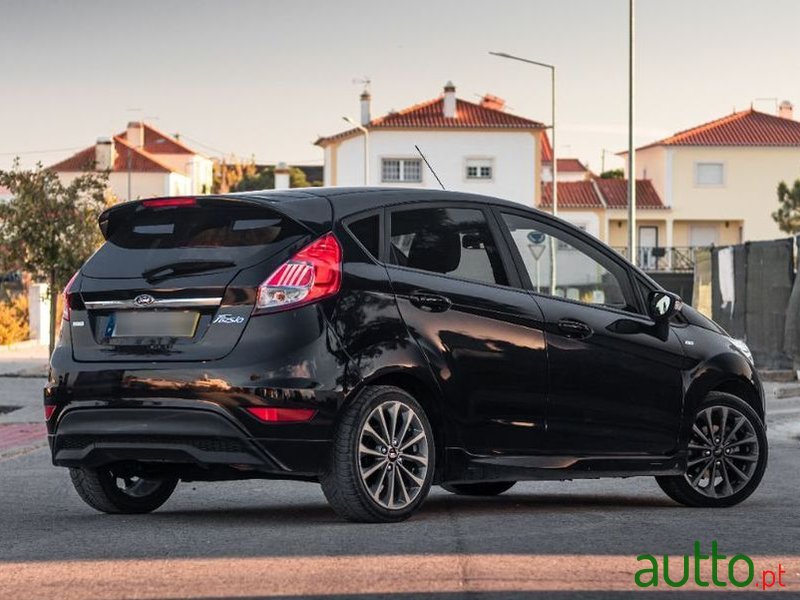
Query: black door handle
{"type": "Point", "coordinates": [430, 302]}
{"type": "Point", "coordinates": [574, 329]}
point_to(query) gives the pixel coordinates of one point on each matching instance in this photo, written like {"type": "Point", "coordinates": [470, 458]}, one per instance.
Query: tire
{"type": "Point", "coordinates": [483, 488]}
{"type": "Point", "coordinates": [365, 479]}
{"type": "Point", "coordinates": [737, 462]}
{"type": "Point", "coordinates": [101, 489]}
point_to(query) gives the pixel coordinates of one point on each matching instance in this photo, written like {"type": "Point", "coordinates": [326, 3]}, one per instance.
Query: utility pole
{"type": "Point", "coordinates": [631, 151]}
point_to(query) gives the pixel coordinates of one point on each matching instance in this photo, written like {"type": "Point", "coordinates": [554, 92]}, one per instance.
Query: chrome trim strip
{"type": "Point", "coordinates": [157, 303]}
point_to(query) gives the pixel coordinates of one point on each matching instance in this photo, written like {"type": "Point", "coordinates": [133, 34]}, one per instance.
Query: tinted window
{"type": "Point", "coordinates": [141, 238]}
{"type": "Point", "coordinates": [450, 241]}
{"type": "Point", "coordinates": [368, 232]}
{"type": "Point", "coordinates": [578, 275]}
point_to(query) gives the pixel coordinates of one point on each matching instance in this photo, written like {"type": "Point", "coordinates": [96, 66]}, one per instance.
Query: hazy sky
{"type": "Point", "coordinates": [265, 78]}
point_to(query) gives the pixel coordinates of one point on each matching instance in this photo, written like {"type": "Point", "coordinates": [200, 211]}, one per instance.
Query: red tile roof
{"type": "Point", "coordinates": [744, 128]}
{"type": "Point", "coordinates": [429, 115]}
{"type": "Point", "coordinates": [141, 161]}
{"type": "Point", "coordinates": [158, 142]}
{"type": "Point", "coordinates": [615, 193]}
{"type": "Point", "coordinates": [572, 194]}
{"type": "Point", "coordinates": [547, 149]}
{"type": "Point", "coordinates": [600, 193]}
{"type": "Point", "coordinates": [571, 165]}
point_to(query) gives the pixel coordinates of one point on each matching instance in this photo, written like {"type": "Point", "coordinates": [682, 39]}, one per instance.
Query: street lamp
{"type": "Point", "coordinates": [365, 131]}
{"type": "Point", "coordinates": [552, 68]}
{"type": "Point", "coordinates": [631, 152]}
{"type": "Point", "coordinates": [552, 111]}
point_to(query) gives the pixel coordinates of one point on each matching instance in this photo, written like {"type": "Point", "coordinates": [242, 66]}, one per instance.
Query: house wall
{"type": "Point", "coordinates": [748, 194]}
{"type": "Point", "coordinates": [547, 175]}
{"type": "Point", "coordinates": [513, 154]}
{"type": "Point", "coordinates": [727, 231]}
{"type": "Point", "coordinates": [618, 228]}
{"type": "Point", "coordinates": [590, 220]}
{"type": "Point", "coordinates": [199, 169]}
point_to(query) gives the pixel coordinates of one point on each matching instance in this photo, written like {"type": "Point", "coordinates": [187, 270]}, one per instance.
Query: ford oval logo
{"type": "Point", "coordinates": [143, 300]}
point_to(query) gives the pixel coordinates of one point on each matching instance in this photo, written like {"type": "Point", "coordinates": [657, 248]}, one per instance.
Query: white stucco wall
{"type": "Point", "coordinates": [514, 155]}
{"type": "Point", "coordinates": [143, 185]}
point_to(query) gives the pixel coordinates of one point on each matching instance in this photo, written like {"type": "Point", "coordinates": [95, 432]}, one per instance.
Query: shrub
{"type": "Point", "coordinates": [14, 319]}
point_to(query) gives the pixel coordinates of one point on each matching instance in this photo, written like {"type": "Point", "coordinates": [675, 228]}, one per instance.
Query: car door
{"type": "Point", "coordinates": [615, 387]}
{"type": "Point", "coordinates": [481, 336]}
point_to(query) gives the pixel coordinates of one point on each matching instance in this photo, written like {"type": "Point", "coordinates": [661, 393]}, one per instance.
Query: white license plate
{"type": "Point", "coordinates": [154, 323]}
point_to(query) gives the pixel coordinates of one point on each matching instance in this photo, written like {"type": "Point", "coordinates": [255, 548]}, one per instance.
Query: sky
{"type": "Point", "coordinates": [265, 78]}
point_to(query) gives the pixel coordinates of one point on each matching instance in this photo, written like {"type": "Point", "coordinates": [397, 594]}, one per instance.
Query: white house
{"type": "Point", "coordinates": [569, 169]}
{"type": "Point", "coordinates": [143, 162]}
{"type": "Point", "coordinates": [477, 148]}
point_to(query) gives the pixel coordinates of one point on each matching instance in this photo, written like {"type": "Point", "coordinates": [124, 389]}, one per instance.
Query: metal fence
{"type": "Point", "coordinates": [659, 259]}
{"type": "Point", "coordinates": [747, 289]}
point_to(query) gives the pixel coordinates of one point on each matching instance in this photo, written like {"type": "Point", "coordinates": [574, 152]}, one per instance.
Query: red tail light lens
{"type": "Point", "coordinates": [49, 409]}
{"type": "Point", "coordinates": [169, 202]}
{"type": "Point", "coordinates": [281, 415]}
{"type": "Point", "coordinates": [66, 312]}
{"type": "Point", "coordinates": [310, 275]}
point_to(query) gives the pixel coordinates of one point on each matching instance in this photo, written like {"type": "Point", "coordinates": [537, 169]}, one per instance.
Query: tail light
{"type": "Point", "coordinates": [49, 409]}
{"type": "Point", "coordinates": [66, 313]}
{"type": "Point", "coordinates": [312, 274]}
{"type": "Point", "coordinates": [281, 415]}
{"type": "Point", "coordinates": [169, 202]}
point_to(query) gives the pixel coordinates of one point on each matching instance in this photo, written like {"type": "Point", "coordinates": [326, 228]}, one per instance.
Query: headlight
{"type": "Point", "coordinates": [742, 348]}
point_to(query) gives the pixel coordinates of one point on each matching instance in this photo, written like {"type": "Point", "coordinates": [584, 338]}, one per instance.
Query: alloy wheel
{"type": "Point", "coordinates": [133, 485]}
{"type": "Point", "coordinates": [723, 452]}
{"type": "Point", "coordinates": [393, 455]}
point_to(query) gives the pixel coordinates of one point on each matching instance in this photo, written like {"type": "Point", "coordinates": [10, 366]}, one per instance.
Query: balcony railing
{"type": "Point", "coordinates": [663, 258]}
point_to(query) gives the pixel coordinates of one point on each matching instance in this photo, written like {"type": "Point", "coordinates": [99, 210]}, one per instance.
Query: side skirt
{"type": "Point", "coordinates": [461, 466]}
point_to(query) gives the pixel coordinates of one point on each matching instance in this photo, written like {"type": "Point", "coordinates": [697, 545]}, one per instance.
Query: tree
{"type": "Point", "coordinates": [613, 174]}
{"type": "Point", "coordinates": [788, 215]}
{"type": "Point", "coordinates": [265, 180]}
{"type": "Point", "coordinates": [49, 229]}
{"type": "Point", "coordinates": [228, 175]}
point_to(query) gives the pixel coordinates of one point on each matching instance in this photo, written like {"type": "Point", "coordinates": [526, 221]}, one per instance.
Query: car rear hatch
{"type": "Point", "coordinates": [176, 277]}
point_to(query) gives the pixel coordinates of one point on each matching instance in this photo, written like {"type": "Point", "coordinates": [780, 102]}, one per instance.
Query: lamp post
{"type": "Point", "coordinates": [365, 131]}
{"type": "Point", "coordinates": [555, 159]}
{"type": "Point", "coordinates": [632, 254]}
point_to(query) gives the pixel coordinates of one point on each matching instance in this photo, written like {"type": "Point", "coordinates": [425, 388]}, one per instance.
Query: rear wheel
{"type": "Point", "coordinates": [726, 455]}
{"type": "Point", "coordinates": [383, 456]}
{"type": "Point", "coordinates": [483, 488]}
{"type": "Point", "coordinates": [120, 490]}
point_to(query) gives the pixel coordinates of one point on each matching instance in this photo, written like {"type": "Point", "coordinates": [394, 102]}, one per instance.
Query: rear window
{"type": "Point", "coordinates": [147, 238]}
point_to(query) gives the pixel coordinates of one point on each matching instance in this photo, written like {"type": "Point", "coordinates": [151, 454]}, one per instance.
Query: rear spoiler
{"type": "Point", "coordinates": [312, 211]}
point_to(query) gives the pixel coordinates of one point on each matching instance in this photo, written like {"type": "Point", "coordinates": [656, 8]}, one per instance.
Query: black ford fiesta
{"type": "Point", "coordinates": [379, 341]}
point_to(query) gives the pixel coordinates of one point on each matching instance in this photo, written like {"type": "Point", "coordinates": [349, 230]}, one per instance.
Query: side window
{"type": "Point", "coordinates": [577, 275]}
{"type": "Point", "coordinates": [450, 241]}
{"type": "Point", "coordinates": [368, 232]}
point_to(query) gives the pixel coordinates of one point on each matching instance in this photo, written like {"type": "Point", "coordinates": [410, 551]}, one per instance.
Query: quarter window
{"type": "Point", "coordinates": [401, 169]}
{"type": "Point", "coordinates": [368, 232]}
{"type": "Point", "coordinates": [449, 241]}
{"type": "Point", "coordinates": [577, 275]}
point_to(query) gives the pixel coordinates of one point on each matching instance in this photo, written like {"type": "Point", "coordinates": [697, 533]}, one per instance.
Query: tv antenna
{"type": "Point", "coordinates": [429, 166]}
{"type": "Point", "coordinates": [365, 81]}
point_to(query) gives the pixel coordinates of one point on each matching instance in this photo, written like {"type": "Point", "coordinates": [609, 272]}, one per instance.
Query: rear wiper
{"type": "Point", "coordinates": [187, 267]}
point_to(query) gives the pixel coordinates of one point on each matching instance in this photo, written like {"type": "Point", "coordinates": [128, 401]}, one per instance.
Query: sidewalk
{"type": "Point", "coordinates": [23, 369]}
{"type": "Point", "coordinates": [23, 360]}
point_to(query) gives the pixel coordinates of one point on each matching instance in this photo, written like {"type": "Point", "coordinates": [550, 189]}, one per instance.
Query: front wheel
{"type": "Point", "coordinates": [382, 462]}
{"type": "Point", "coordinates": [726, 455]}
{"type": "Point", "coordinates": [120, 490]}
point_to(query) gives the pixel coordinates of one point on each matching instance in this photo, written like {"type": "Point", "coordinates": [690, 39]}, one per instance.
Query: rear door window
{"type": "Point", "coordinates": [448, 241]}
{"type": "Point", "coordinates": [232, 234]}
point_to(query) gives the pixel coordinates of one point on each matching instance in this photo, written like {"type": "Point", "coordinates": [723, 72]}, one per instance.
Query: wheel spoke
{"type": "Point", "coordinates": [370, 452]}
{"type": "Point", "coordinates": [403, 489]}
{"type": "Point", "coordinates": [412, 441]}
{"type": "Point", "coordinates": [736, 425]}
{"type": "Point", "coordinates": [409, 416]}
{"type": "Point", "coordinates": [369, 429]}
{"type": "Point", "coordinates": [417, 459]}
{"type": "Point", "coordinates": [377, 492]}
{"type": "Point", "coordinates": [709, 424]}
{"type": "Point", "coordinates": [747, 440]}
{"type": "Point", "coordinates": [744, 457]}
{"type": "Point", "coordinates": [698, 432]}
{"type": "Point", "coordinates": [413, 477]}
{"type": "Point", "coordinates": [701, 472]}
{"type": "Point", "coordinates": [740, 474]}
{"type": "Point", "coordinates": [384, 427]}
{"type": "Point", "coordinates": [727, 487]}
{"type": "Point", "coordinates": [393, 412]}
{"type": "Point", "coordinates": [372, 469]}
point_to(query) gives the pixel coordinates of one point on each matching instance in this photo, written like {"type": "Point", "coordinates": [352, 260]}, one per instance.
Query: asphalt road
{"type": "Point", "coordinates": [279, 539]}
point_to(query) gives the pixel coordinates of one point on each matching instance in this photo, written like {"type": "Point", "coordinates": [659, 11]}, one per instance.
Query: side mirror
{"type": "Point", "coordinates": [662, 306]}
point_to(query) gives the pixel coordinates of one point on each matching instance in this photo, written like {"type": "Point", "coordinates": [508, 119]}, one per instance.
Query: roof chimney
{"type": "Point", "coordinates": [104, 154]}
{"type": "Point", "coordinates": [282, 179]}
{"type": "Point", "coordinates": [786, 110]}
{"type": "Point", "coordinates": [365, 113]}
{"type": "Point", "coordinates": [135, 134]}
{"type": "Point", "coordinates": [449, 104]}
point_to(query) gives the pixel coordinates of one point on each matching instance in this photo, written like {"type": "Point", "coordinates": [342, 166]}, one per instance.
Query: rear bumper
{"type": "Point", "coordinates": [180, 438]}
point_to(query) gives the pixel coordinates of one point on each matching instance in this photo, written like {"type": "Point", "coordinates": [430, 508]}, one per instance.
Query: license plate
{"type": "Point", "coordinates": [154, 323]}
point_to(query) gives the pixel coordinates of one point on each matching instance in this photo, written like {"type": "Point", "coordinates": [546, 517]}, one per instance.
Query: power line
{"type": "Point", "coordinates": [39, 151]}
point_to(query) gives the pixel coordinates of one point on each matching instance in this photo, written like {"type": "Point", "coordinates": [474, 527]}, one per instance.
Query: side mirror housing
{"type": "Point", "coordinates": [662, 306]}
